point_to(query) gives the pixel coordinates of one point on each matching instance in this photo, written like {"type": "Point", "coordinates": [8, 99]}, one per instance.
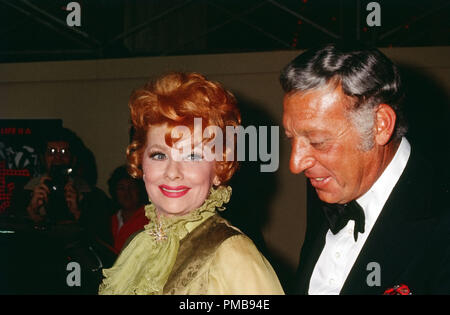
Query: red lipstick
{"type": "Point", "coordinates": [174, 191]}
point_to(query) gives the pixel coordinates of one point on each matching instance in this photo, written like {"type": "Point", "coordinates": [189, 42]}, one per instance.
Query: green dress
{"type": "Point", "coordinates": [198, 253]}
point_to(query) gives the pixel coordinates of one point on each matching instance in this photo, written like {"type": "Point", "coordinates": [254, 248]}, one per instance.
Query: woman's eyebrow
{"type": "Point", "coordinates": [156, 145]}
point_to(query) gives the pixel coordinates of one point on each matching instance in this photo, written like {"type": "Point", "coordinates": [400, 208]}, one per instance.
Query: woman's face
{"type": "Point", "coordinates": [177, 182]}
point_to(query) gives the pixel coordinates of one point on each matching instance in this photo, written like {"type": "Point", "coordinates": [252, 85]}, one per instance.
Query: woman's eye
{"type": "Point", "coordinates": [194, 157]}
{"type": "Point", "coordinates": [157, 156]}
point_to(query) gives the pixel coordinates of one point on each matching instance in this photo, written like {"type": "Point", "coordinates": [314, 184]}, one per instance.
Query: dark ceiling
{"type": "Point", "coordinates": [35, 30]}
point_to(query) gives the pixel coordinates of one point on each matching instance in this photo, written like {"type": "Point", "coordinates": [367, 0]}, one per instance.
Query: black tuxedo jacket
{"type": "Point", "coordinates": [410, 239]}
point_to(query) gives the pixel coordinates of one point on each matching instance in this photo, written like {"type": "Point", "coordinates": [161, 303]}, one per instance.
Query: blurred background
{"type": "Point", "coordinates": [37, 30]}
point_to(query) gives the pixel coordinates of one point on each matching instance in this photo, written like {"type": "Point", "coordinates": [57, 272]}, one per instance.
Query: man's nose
{"type": "Point", "coordinates": [301, 157]}
{"type": "Point", "coordinates": [173, 170]}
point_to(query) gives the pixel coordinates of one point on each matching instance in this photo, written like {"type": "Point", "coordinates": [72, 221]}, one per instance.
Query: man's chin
{"type": "Point", "coordinates": [328, 197]}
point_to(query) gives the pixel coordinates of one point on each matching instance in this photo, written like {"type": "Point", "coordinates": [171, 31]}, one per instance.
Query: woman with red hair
{"type": "Point", "coordinates": [187, 248]}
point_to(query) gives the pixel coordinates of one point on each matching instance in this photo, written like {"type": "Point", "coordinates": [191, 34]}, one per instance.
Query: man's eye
{"type": "Point", "coordinates": [157, 156]}
{"type": "Point", "coordinates": [318, 144]}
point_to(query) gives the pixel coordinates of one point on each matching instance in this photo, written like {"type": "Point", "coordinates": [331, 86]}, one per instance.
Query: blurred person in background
{"type": "Point", "coordinates": [66, 192]}
{"type": "Point", "coordinates": [129, 198]}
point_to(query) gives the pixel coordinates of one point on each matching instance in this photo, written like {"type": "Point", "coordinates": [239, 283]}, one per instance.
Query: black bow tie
{"type": "Point", "coordinates": [338, 216]}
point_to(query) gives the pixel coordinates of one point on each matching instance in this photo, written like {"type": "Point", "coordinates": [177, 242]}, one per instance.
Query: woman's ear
{"type": "Point", "coordinates": [216, 181]}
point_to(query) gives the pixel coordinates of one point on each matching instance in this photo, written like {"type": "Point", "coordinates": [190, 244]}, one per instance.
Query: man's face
{"type": "Point", "coordinates": [57, 153]}
{"type": "Point", "coordinates": [325, 145]}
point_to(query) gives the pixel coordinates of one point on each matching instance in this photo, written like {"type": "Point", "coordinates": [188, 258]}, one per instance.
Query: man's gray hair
{"type": "Point", "coordinates": [363, 119]}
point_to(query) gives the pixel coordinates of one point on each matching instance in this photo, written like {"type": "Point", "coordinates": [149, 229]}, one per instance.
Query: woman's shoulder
{"type": "Point", "coordinates": [234, 244]}
{"type": "Point", "coordinates": [236, 239]}
{"type": "Point", "coordinates": [238, 244]}
{"type": "Point", "coordinates": [238, 258]}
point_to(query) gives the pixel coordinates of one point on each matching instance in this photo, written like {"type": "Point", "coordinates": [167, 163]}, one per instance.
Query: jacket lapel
{"type": "Point", "coordinates": [309, 255]}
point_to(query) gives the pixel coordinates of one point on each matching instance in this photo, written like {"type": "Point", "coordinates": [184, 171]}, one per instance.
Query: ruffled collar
{"type": "Point", "coordinates": [145, 264]}
{"type": "Point", "coordinates": [161, 226]}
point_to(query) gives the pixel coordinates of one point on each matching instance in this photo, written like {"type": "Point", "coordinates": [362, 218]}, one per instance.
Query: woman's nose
{"type": "Point", "coordinates": [173, 170]}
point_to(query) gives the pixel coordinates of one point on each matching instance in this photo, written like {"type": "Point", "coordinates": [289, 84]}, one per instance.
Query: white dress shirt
{"type": "Point", "coordinates": [341, 251]}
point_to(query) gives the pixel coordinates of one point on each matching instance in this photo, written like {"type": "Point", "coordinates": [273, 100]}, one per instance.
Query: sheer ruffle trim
{"type": "Point", "coordinates": [160, 226]}
{"type": "Point", "coordinates": [140, 269]}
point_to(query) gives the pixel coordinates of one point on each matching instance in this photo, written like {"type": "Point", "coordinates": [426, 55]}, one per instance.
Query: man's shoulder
{"type": "Point", "coordinates": [421, 179]}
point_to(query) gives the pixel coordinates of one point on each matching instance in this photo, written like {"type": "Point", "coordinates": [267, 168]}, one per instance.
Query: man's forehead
{"type": "Point", "coordinates": [314, 112]}
{"type": "Point", "coordinates": [312, 126]}
{"type": "Point", "coordinates": [316, 101]}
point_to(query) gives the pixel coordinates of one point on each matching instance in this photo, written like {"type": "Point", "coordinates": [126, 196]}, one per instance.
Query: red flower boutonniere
{"type": "Point", "coordinates": [400, 289]}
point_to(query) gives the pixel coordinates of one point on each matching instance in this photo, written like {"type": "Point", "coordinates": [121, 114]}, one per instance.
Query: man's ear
{"type": "Point", "coordinates": [384, 123]}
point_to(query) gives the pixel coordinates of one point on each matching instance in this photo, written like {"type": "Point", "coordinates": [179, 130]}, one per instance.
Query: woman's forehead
{"type": "Point", "coordinates": [179, 136]}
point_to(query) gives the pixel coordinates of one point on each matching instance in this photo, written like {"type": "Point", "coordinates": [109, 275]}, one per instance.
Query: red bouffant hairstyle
{"type": "Point", "coordinates": [176, 99]}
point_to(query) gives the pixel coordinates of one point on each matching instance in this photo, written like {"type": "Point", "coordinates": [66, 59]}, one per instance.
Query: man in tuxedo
{"type": "Point", "coordinates": [376, 221]}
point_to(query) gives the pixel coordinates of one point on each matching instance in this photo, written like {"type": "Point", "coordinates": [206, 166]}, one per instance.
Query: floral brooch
{"type": "Point", "coordinates": [158, 233]}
